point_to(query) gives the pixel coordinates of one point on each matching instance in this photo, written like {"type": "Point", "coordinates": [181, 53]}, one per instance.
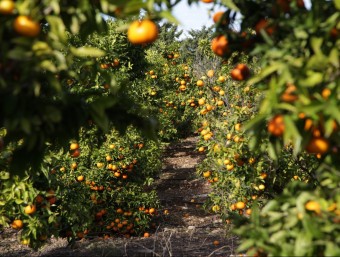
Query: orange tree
{"type": "Point", "coordinates": [36, 60]}
{"type": "Point", "coordinates": [298, 72]}
{"type": "Point", "coordinates": [93, 184]}
{"type": "Point", "coordinates": [89, 183]}
{"type": "Point", "coordinates": [166, 89]}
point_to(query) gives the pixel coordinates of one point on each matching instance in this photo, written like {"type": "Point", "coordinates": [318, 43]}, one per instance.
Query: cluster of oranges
{"type": "Point", "coordinates": [22, 24]}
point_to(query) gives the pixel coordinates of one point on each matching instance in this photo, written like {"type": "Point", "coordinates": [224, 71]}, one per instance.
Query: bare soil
{"type": "Point", "coordinates": [184, 228]}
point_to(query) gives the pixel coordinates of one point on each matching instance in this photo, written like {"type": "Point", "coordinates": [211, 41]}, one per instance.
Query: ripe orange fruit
{"type": "Point", "coordinates": [230, 167]}
{"type": "Point", "coordinates": [51, 198]}
{"type": "Point", "coordinates": [251, 160]}
{"type": "Point", "coordinates": [220, 103]}
{"type": "Point", "coordinates": [80, 234]}
{"type": "Point", "coordinates": [74, 146]}
{"type": "Point", "coordinates": [74, 165]}
{"type": "Point", "coordinates": [75, 153]}
{"type": "Point", "coordinates": [207, 136]}
{"type": "Point", "coordinates": [201, 101]}
{"type": "Point", "coordinates": [207, 174]}
{"type": "Point", "coordinates": [317, 145]}
{"type": "Point", "coordinates": [80, 178]}
{"type": "Point", "coordinates": [207, 1]}
{"type": "Point", "coordinates": [100, 165]}
{"type": "Point", "coordinates": [142, 32]}
{"type": "Point", "coordinates": [200, 83]}
{"type": "Point", "coordinates": [17, 224]}
{"type": "Point", "coordinates": [215, 208]}
{"type": "Point", "coordinates": [218, 17]}
{"type": "Point", "coordinates": [263, 24]}
{"type": "Point", "coordinates": [240, 72]}
{"type": "Point", "coordinates": [119, 211]}
{"type": "Point", "coordinates": [115, 62]}
{"type": "Point", "coordinates": [104, 66]}
{"type": "Point", "coordinates": [313, 206]}
{"type": "Point", "coordinates": [226, 161]}
{"type": "Point", "coordinates": [210, 73]}
{"type": "Point", "coordinates": [263, 175]}
{"type": "Point", "coordinates": [289, 95]}
{"type": "Point", "coordinates": [39, 199]}
{"type": "Point", "coordinates": [25, 241]}
{"type": "Point", "coordinates": [240, 205]}
{"type": "Point", "coordinates": [238, 126]}
{"type": "Point", "coordinates": [25, 26]}
{"type": "Point", "coordinates": [30, 209]}
{"type": "Point", "coordinates": [6, 7]}
{"type": "Point", "coordinates": [221, 79]}
{"type": "Point", "coordinates": [146, 234]}
{"type": "Point", "coordinates": [219, 45]}
{"type": "Point", "coordinates": [326, 92]}
{"type": "Point", "coordinates": [216, 242]}
{"type": "Point", "coordinates": [208, 107]}
{"type": "Point", "coordinates": [201, 149]}
{"type": "Point", "coordinates": [276, 125]}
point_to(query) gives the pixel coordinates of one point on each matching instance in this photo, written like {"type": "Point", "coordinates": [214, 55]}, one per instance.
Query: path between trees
{"type": "Point", "coordinates": [183, 227]}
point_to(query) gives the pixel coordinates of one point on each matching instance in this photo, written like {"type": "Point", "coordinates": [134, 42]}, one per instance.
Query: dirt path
{"type": "Point", "coordinates": [184, 229]}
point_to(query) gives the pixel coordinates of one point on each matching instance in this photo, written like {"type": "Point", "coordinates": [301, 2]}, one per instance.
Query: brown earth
{"type": "Point", "coordinates": [184, 229]}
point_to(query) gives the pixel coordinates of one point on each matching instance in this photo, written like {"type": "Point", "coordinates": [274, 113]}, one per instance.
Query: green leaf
{"type": "Point", "coordinates": [58, 29]}
{"type": "Point", "coordinates": [271, 68]}
{"type": "Point", "coordinates": [4, 175]}
{"type": "Point", "coordinates": [300, 33]}
{"type": "Point", "coordinates": [332, 249]}
{"type": "Point", "coordinates": [313, 108]}
{"type": "Point", "coordinates": [317, 61]}
{"type": "Point", "coordinates": [272, 151]}
{"type": "Point", "coordinates": [292, 134]}
{"type": "Point", "coordinates": [334, 57]}
{"type": "Point", "coordinates": [87, 51]}
{"type": "Point", "coordinates": [270, 206]}
{"type": "Point", "coordinates": [311, 227]}
{"type": "Point", "coordinates": [313, 78]}
{"type": "Point", "coordinates": [246, 244]}
{"type": "Point", "coordinates": [303, 244]}
{"type": "Point", "coordinates": [291, 221]}
{"type": "Point", "coordinates": [18, 201]}
{"type": "Point", "coordinates": [48, 65]}
{"type": "Point", "coordinates": [278, 236]}
{"type": "Point", "coordinates": [19, 53]}
{"type": "Point", "coordinates": [316, 44]}
{"type": "Point", "coordinates": [134, 7]}
{"type": "Point", "coordinates": [275, 225]}
{"type": "Point", "coordinates": [230, 4]}
{"type": "Point", "coordinates": [337, 4]}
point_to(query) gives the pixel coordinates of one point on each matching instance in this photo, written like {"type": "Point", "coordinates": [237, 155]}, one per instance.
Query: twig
{"type": "Point", "coordinates": [217, 250]}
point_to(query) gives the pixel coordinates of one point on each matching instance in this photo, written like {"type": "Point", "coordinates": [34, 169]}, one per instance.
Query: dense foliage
{"type": "Point", "coordinates": [261, 88]}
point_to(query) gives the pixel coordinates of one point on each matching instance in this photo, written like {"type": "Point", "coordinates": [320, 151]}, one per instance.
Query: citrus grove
{"type": "Point", "coordinates": [87, 105]}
